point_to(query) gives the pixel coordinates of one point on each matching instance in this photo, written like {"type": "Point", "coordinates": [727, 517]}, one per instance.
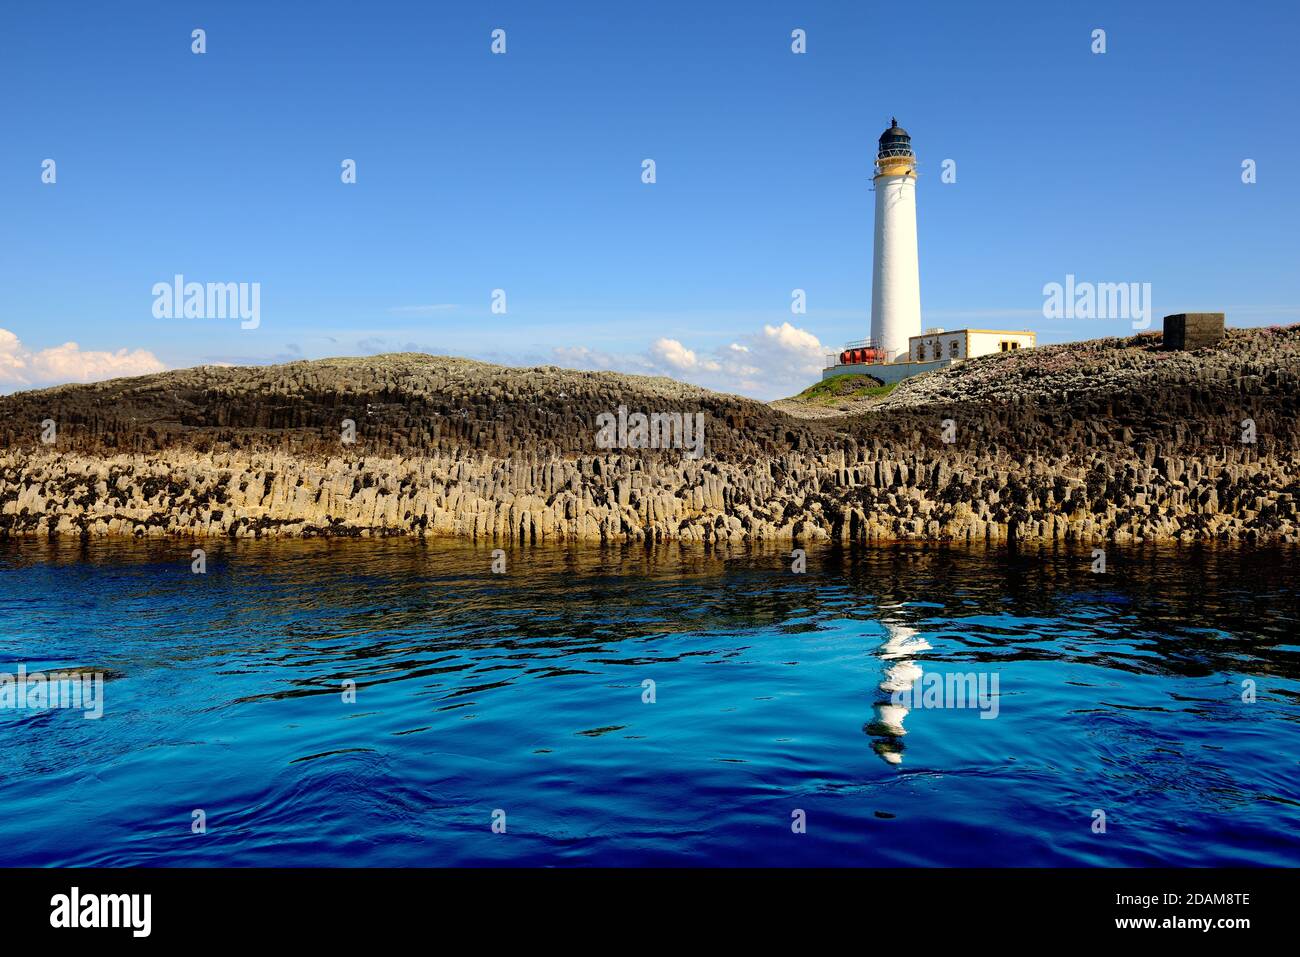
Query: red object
{"type": "Point", "coordinates": [851, 357]}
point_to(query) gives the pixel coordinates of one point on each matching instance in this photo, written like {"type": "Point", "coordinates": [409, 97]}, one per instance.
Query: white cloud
{"type": "Point", "coordinates": [580, 357]}
{"type": "Point", "coordinates": [21, 367]}
{"type": "Point", "coordinates": [677, 356]}
{"type": "Point", "coordinates": [774, 362]}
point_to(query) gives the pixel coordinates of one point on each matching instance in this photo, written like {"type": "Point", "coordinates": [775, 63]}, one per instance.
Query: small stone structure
{"type": "Point", "coordinates": [1193, 330]}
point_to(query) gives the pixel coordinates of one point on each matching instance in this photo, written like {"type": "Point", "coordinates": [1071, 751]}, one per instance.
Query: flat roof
{"type": "Point", "coordinates": [996, 332]}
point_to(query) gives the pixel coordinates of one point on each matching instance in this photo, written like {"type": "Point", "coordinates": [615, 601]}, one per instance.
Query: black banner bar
{"type": "Point", "coordinates": [335, 906]}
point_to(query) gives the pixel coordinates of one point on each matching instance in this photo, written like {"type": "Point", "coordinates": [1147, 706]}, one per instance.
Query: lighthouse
{"type": "Point", "coordinates": [895, 276]}
{"type": "Point", "coordinates": [898, 349]}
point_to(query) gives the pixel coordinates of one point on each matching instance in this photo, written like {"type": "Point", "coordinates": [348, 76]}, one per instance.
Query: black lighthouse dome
{"type": "Point", "coordinates": [895, 141]}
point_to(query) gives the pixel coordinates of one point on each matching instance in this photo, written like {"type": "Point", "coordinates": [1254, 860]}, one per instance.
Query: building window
{"type": "Point", "coordinates": [1005, 345]}
{"type": "Point", "coordinates": [1015, 345]}
{"type": "Point", "coordinates": [952, 349]}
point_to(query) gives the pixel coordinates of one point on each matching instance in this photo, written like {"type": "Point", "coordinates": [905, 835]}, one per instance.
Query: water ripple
{"type": "Point", "coordinates": [375, 702]}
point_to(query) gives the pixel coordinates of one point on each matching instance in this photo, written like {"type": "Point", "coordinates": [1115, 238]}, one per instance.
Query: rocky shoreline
{"type": "Point", "coordinates": [1109, 440]}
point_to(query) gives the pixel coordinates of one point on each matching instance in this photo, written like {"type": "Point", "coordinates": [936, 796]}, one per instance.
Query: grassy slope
{"type": "Point", "coordinates": [840, 388]}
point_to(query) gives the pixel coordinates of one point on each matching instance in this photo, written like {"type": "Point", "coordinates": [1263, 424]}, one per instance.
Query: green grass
{"type": "Point", "coordinates": [840, 388]}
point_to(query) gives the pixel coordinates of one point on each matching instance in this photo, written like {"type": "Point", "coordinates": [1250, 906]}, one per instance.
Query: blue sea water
{"type": "Point", "coordinates": [524, 693]}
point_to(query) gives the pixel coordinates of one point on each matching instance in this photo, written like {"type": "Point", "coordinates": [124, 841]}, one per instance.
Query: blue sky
{"type": "Point", "coordinates": [523, 172]}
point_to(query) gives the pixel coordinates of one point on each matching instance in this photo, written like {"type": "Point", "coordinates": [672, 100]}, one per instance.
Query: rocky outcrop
{"type": "Point", "coordinates": [403, 404]}
{"type": "Point", "coordinates": [1111, 440]}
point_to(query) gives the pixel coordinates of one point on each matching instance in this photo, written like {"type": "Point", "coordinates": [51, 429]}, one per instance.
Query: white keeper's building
{"type": "Point", "coordinates": [936, 344]}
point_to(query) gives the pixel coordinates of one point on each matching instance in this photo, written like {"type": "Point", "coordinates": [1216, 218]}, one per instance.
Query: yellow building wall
{"type": "Point", "coordinates": [983, 342]}
{"type": "Point", "coordinates": [969, 343]}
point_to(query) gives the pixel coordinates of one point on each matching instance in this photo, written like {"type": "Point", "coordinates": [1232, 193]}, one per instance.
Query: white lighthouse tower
{"type": "Point", "coordinates": [895, 276]}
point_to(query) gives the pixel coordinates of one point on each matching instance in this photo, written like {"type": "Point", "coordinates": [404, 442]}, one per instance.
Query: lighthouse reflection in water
{"type": "Point", "coordinates": [908, 687]}
{"type": "Point", "coordinates": [901, 674]}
